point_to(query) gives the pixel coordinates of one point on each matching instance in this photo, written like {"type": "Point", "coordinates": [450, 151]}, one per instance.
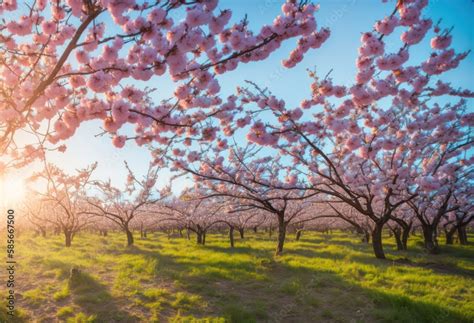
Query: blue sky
{"type": "Point", "coordinates": [346, 19]}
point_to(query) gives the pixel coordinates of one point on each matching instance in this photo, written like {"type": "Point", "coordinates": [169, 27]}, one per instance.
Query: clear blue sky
{"type": "Point", "coordinates": [346, 19]}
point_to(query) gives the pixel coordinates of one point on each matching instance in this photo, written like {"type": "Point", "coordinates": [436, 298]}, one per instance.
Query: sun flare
{"type": "Point", "coordinates": [12, 190]}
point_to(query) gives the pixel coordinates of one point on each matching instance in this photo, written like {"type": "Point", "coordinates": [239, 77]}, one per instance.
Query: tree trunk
{"type": "Point", "coordinates": [377, 241]}
{"type": "Point", "coordinates": [298, 234]}
{"type": "Point", "coordinates": [199, 237]}
{"type": "Point", "coordinates": [129, 237]}
{"type": "Point", "coordinates": [366, 237]}
{"type": "Point", "coordinates": [281, 235]}
{"type": "Point", "coordinates": [188, 235]}
{"type": "Point", "coordinates": [397, 232]}
{"type": "Point", "coordinates": [204, 238]}
{"type": "Point", "coordinates": [430, 240]}
{"type": "Point", "coordinates": [405, 235]}
{"type": "Point", "coordinates": [450, 235]}
{"type": "Point", "coordinates": [68, 238]}
{"type": "Point", "coordinates": [231, 237]}
{"type": "Point", "coordinates": [241, 231]}
{"type": "Point", "coordinates": [255, 229]}
{"type": "Point", "coordinates": [462, 234]}
{"type": "Point", "coordinates": [180, 233]}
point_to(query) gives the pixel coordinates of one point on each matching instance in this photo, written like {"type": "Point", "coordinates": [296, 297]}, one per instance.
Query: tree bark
{"type": "Point", "coordinates": [462, 234]}
{"type": "Point", "coordinates": [366, 237]}
{"type": "Point", "coordinates": [298, 234]}
{"type": "Point", "coordinates": [397, 232]}
{"type": "Point", "coordinates": [377, 241]}
{"type": "Point", "coordinates": [241, 231]}
{"type": "Point", "coordinates": [430, 239]}
{"type": "Point", "coordinates": [450, 235]}
{"type": "Point", "coordinates": [405, 235]}
{"type": "Point", "coordinates": [129, 237]}
{"type": "Point", "coordinates": [199, 237]}
{"type": "Point", "coordinates": [281, 235]}
{"type": "Point", "coordinates": [231, 237]}
{"type": "Point", "coordinates": [68, 238]}
{"type": "Point", "coordinates": [204, 238]}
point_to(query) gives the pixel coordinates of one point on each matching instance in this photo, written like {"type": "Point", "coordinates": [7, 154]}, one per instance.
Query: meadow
{"type": "Point", "coordinates": [321, 278]}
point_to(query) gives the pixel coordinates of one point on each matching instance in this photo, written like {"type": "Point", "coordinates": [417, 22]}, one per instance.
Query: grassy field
{"type": "Point", "coordinates": [322, 278]}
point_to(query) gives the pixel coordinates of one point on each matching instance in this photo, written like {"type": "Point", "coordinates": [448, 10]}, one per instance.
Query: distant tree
{"type": "Point", "coordinates": [122, 206]}
{"type": "Point", "coordinates": [62, 199]}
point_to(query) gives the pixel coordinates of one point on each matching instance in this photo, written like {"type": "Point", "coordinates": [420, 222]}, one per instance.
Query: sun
{"type": "Point", "coordinates": [12, 190]}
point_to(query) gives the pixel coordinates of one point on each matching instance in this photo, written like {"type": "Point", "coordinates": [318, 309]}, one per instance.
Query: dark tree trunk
{"type": "Point", "coordinates": [68, 238]}
{"type": "Point", "coordinates": [281, 235]}
{"type": "Point", "coordinates": [188, 234]}
{"type": "Point", "coordinates": [204, 238]}
{"type": "Point", "coordinates": [255, 229]}
{"type": "Point", "coordinates": [231, 237]}
{"type": "Point", "coordinates": [199, 237]}
{"type": "Point", "coordinates": [241, 231]}
{"type": "Point", "coordinates": [405, 235]}
{"type": "Point", "coordinates": [366, 237]}
{"type": "Point", "coordinates": [397, 232]}
{"type": "Point", "coordinates": [450, 235]}
{"type": "Point", "coordinates": [462, 234]}
{"type": "Point", "coordinates": [298, 234]}
{"type": "Point", "coordinates": [377, 241]}
{"type": "Point", "coordinates": [430, 239]}
{"type": "Point", "coordinates": [129, 237]}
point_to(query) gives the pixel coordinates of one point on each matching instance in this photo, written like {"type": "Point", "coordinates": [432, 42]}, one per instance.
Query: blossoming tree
{"type": "Point", "coordinates": [66, 62]}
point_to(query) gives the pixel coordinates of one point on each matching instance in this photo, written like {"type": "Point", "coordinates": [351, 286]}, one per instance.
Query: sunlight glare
{"type": "Point", "coordinates": [12, 190]}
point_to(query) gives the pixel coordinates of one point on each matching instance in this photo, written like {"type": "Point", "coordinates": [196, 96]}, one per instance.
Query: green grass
{"type": "Point", "coordinates": [322, 277]}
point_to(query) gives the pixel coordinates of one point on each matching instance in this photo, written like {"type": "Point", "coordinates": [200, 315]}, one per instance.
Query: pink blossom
{"type": "Point", "coordinates": [48, 27]}
{"type": "Point", "coordinates": [119, 141]}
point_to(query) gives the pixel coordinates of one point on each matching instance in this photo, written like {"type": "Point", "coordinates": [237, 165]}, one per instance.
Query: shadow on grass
{"type": "Point", "coordinates": [414, 257]}
{"type": "Point", "coordinates": [288, 293]}
{"type": "Point", "coordinates": [94, 299]}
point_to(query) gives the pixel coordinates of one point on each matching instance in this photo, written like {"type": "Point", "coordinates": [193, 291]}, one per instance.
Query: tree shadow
{"type": "Point", "coordinates": [229, 250]}
{"type": "Point", "coordinates": [291, 294]}
{"type": "Point", "coordinates": [94, 299]}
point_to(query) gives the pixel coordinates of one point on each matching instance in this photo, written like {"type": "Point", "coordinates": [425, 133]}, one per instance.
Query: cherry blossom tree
{"type": "Point", "coordinates": [248, 178]}
{"type": "Point", "coordinates": [67, 62]}
{"type": "Point", "coordinates": [122, 206]}
{"type": "Point", "coordinates": [381, 142]}
{"type": "Point", "coordinates": [63, 199]}
{"type": "Point", "coordinates": [193, 211]}
{"type": "Point", "coordinates": [35, 212]}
